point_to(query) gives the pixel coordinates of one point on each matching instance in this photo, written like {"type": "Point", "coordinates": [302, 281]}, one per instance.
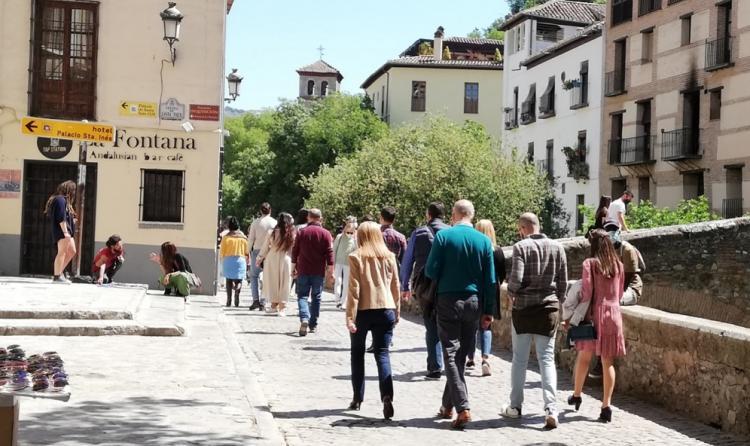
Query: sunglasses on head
{"type": "Point", "coordinates": [350, 233]}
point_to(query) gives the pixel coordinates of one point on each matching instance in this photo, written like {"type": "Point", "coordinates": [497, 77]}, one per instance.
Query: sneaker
{"type": "Point", "coordinates": [303, 328]}
{"type": "Point", "coordinates": [470, 364]}
{"type": "Point", "coordinates": [271, 310]}
{"type": "Point", "coordinates": [281, 313]}
{"type": "Point", "coordinates": [338, 305]}
{"type": "Point", "coordinates": [511, 412]}
{"type": "Point", "coordinates": [255, 305]}
{"type": "Point", "coordinates": [313, 329]}
{"type": "Point", "coordinates": [262, 308]}
{"type": "Point", "coordinates": [596, 372]}
{"type": "Point", "coordinates": [550, 419]}
{"type": "Point", "coordinates": [61, 279]}
{"type": "Point", "coordinates": [434, 375]}
{"type": "Point", "coordinates": [486, 370]}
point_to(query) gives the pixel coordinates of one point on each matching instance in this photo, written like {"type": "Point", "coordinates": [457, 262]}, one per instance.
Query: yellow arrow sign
{"type": "Point", "coordinates": [79, 131]}
{"type": "Point", "coordinates": [142, 109]}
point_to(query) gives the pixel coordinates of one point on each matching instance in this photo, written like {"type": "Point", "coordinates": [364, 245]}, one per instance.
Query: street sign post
{"type": "Point", "coordinates": [79, 131]}
{"type": "Point", "coordinates": [80, 203]}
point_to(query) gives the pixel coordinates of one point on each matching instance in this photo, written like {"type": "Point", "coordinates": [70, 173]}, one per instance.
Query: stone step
{"type": "Point", "coordinates": [89, 327]}
{"type": "Point", "coordinates": [66, 314]}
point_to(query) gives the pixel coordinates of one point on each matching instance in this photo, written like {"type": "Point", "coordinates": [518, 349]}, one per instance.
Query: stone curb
{"type": "Point", "coordinates": [70, 315]}
{"type": "Point", "coordinates": [246, 369]}
{"type": "Point", "coordinates": [43, 327]}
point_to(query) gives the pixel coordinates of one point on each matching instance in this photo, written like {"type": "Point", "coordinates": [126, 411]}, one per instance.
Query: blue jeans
{"type": "Point", "coordinates": [434, 348]}
{"type": "Point", "coordinates": [380, 322]}
{"type": "Point", "coordinates": [254, 276]}
{"type": "Point", "coordinates": [484, 340]}
{"type": "Point", "coordinates": [545, 353]}
{"type": "Point", "coordinates": [309, 286]}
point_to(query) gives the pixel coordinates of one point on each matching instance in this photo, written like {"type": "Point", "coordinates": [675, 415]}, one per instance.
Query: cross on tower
{"type": "Point", "coordinates": [321, 51]}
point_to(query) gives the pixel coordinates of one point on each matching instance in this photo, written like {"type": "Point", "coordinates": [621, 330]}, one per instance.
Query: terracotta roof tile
{"type": "Point", "coordinates": [562, 10]}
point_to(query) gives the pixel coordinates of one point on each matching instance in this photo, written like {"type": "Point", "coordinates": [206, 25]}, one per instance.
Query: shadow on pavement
{"type": "Point", "coordinates": [132, 421]}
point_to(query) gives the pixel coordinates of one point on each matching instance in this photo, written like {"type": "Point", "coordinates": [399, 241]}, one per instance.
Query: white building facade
{"type": "Point", "coordinates": [553, 98]}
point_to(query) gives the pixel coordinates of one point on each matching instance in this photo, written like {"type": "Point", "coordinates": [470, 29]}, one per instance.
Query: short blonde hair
{"type": "Point", "coordinates": [370, 241]}
{"type": "Point", "coordinates": [486, 228]}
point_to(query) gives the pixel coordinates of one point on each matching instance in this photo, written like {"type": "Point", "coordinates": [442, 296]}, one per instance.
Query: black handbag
{"type": "Point", "coordinates": [425, 290]}
{"type": "Point", "coordinates": [585, 331]}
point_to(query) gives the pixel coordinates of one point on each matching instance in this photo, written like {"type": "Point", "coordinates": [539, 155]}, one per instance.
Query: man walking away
{"type": "Point", "coordinates": [257, 235]}
{"type": "Point", "coordinates": [312, 261]}
{"type": "Point", "coordinates": [394, 240]}
{"type": "Point", "coordinates": [461, 262]}
{"type": "Point", "coordinates": [616, 212]}
{"type": "Point", "coordinates": [536, 285]}
{"type": "Point", "coordinates": [415, 259]}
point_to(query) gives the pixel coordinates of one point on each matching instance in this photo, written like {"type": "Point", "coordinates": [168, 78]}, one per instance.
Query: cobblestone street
{"type": "Point", "coordinates": [306, 381]}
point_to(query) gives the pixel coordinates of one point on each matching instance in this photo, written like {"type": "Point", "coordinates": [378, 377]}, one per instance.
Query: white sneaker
{"type": "Point", "coordinates": [486, 370]}
{"type": "Point", "coordinates": [550, 419]}
{"type": "Point", "coordinates": [510, 412]}
{"type": "Point", "coordinates": [281, 313]}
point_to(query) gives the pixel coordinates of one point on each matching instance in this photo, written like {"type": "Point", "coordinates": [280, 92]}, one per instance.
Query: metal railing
{"type": "Point", "coordinates": [614, 82]}
{"type": "Point", "coordinates": [646, 6]}
{"type": "Point", "coordinates": [680, 144]}
{"type": "Point", "coordinates": [579, 96]}
{"type": "Point", "coordinates": [627, 151]}
{"type": "Point", "coordinates": [718, 52]}
{"type": "Point", "coordinates": [731, 208]}
{"type": "Point", "coordinates": [622, 11]}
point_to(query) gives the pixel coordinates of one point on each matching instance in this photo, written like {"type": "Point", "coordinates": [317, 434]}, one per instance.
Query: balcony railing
{"type": "Point", "coordinates": [579, 96]}
{"type": "Point", "coordinates": [718, 53]}
{"type": "Point", "coordinates": [622, 11]}
{"type": "Point", "coordinates": [731, 208]}
{"type": "Point", "coordinates": [646, 6]}
{"type": "Point", "coordinates": [544, 167]}
{"type": "Point", "coordinates": [680, 144]}
{"type": "Point", "coordinates": [629, 151]}
{"type": "Point", "coordinates": [614, 82]}
{"type": "Point", "coordinates": [511, 119]}
{"type": "Point", "coordinates": [528, 112]}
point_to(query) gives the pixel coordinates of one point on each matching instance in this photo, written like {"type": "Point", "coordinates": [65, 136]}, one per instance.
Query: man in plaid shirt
{"type": "Point", "coordinates": [394, 240]}
{"type": "Point", "coordinates": [536, 284]}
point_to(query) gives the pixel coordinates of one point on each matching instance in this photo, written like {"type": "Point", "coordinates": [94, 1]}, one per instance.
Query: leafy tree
{"type": "Point", "coordinates": [432, 160]}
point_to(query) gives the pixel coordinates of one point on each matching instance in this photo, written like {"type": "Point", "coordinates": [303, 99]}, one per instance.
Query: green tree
{"type": "Point", "coordinates": [433, 160]}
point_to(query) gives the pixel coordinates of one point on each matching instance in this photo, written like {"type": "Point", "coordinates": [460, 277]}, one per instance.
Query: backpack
{"type": "Point", "coordinates": [424, 288]}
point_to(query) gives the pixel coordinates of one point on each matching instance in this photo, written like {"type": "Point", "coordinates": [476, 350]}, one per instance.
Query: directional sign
{"type": "Point", "coordinates": [140, 109]}
{"type": "Point", "coordinates": [75, 130]}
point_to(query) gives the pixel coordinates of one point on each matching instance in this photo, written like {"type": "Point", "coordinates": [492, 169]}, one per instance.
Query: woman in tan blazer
{"type": "Point", "coordinates": [372, 305]}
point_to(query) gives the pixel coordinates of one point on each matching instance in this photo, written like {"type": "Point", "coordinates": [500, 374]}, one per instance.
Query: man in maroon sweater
{"type": "Point", "coordinates": [312, 261]}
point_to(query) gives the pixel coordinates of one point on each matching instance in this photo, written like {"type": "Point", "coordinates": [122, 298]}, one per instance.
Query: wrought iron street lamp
{"type": "Point", "coordinates": [233, 81]}
{"type": "Point", "coordinates": [172, 18]}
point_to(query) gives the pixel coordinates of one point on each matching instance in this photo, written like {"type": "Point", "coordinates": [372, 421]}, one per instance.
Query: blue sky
{"type": "Point", "coordinates": [268, 40]}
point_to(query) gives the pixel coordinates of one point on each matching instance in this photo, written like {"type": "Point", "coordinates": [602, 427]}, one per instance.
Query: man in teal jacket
{"type": "Point", "coordinates": [462, 264]}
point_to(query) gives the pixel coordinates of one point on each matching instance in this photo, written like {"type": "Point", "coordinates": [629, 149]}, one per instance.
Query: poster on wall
{"type": "Point", "coordinates": [10, 183]}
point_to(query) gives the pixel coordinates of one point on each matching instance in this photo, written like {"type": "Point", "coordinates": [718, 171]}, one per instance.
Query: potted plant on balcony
{"type": "Point", "coordinates": [571, 84]}
{"type": "Point", "coordinates": [578, 168]}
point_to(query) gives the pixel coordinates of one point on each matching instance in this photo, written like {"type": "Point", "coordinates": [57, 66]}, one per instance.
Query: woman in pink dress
{"type": "Point", "coordinates": [603, 284]}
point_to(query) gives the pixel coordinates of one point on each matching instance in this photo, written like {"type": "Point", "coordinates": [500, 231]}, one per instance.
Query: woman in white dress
{"type": "Point", "coordinates": [345, 244]}
{"type": "Point", "coordinates": [276, 258]}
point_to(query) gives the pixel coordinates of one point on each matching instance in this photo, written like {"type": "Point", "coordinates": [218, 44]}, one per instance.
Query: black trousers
{"type": "Point", "coordinates": [110, 272]}
{"type": "Point", "coordinates": [457, 321]}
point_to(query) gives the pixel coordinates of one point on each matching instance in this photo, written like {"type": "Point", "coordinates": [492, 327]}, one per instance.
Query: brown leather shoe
{"type": "Point", "coordinates": [463, 418]}
{"type": "Point", "coordinates": [444, 413]}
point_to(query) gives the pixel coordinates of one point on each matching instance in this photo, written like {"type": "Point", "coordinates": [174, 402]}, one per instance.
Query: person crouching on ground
{"type": "Point", "coordinates": [174, 268]}
{"type": "Point", "coordinates": [108, 260]}
{"type": "Point", "coordinates": [234, 251]}
{"type": "Point", "coordinates": [602, 286]}
{"type": "Point", "coordinates": [59, 209]}
{"type": "Point", "coordinates": [373, 305]}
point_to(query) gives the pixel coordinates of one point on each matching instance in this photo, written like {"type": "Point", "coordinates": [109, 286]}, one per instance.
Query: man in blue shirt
{"type": "Point", "coordinates": [461, 261]}
{"type": "Point", "coordinates": [418, 248]}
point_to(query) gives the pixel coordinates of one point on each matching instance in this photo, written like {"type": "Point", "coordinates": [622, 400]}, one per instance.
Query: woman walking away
{"type": "Point", "coordinates": [373, 304]}
{"type": "Point", "coordinates": [276, 257]}
{"type": "Point", "coordinates": [602, 286]}
{"type": "Point", "coordinates": [59, 208]}
{"type": "Point", "coordinates": [234, 251]}
{"type": "Point", "coordinates": [485, 336]}
{"type": "Point", "coordinates": [174, 269]}
{"type": "Point", "coordinates": [345, 244]}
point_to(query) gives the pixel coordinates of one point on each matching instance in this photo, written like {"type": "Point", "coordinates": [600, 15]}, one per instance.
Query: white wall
{"type": "Point", "coordinates": [563, 128]}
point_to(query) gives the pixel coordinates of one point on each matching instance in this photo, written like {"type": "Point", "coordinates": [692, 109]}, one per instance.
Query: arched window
{"type": "Point", "coordinates": [310, 87]}
{"type": "Point", "coordinates": [324, 88]}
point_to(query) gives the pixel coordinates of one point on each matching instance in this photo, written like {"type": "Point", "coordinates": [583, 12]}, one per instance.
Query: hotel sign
{"type": "Point", "coordinates": [75, 130]}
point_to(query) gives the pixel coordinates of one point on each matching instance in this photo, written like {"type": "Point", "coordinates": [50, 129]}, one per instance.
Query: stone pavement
{"type": "Point", "coordinates": [307, 383]}
{"type": "Point", "coordinates": [134, 390]}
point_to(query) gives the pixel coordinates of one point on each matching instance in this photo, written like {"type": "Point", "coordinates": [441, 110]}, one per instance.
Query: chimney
{"type": "Point", "coordinates": [437, 45]}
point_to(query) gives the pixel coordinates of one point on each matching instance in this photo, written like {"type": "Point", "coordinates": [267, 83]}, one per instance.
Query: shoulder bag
{"type": "Point", "coordinates": [585, 331]}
